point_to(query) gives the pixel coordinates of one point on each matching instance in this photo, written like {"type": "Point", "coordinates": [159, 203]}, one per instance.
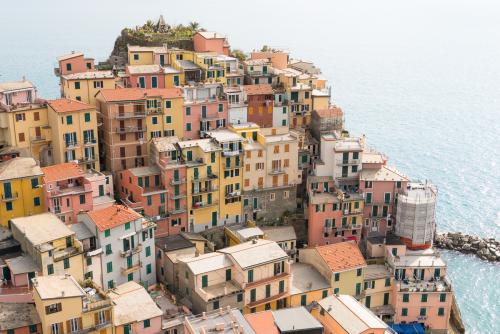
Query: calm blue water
{"type": "Point", "coordinates": [420, 78]}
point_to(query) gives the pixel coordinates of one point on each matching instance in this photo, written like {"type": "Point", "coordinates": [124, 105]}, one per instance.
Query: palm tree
{"type": "Point", "coordinates": [194, 26]}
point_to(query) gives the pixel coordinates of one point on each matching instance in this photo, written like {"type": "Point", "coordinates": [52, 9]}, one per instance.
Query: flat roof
{"type": "Point", "coordinates": [89, 75]}
{"type": "Point", "coordinates": [279, 233]}
{"type": "Point", "coordinates": [142, 69]}
{"type": "Point", "coordinates": [351, 315]}
{"type": "Point", "coordinates": [207, 262]}
{"type": "Point", "coordinates": [15, 85]}
{"type": "Point", "coordinates": [295, 319]}
{"type": "Point", "coordinates": [70, 55]}
{"type": "Point", "coordinates": [19, 168]}
{"type": "Point", "coordinates": [206, 144]}
{"type": "Point", "coordinates": [42, 228]}
{"type": "Point", "coordinates": [384, 173]}
{"type": "Point", "coordinates": [305, 278]}
{"type": "Point", "coordinates": [249, 232]}
{"type": "Point", "coordinates": [17, 315]}
{"type": "Point", "coordinates": [417, 259]}
{"type": "Point", "coordinates": [145, 171]}
{"type": "Point", "coordinates": [81, 230]}
{"type": "Point", "coordinates": [132, 303]}
{"type": "Point", "coordinates": [224, 135]}
{"type": "Point", "coordinates": [50, 287]}
{"type": "Point", "coordinates": [173, 242]}
{"type": "Point", "coordinates": [254, 253]}
{"type": "Point", "coordinates": [164, 144]}
{"type": "Point", "coordinates": [226, 318]}
{"type": "Point", "coordinates": [188, 65]}
{"type": "Point", "coordinates": [22, 265]}
{"type": "Point", "coordinates": [376, 271]}
{"type": "Point", "coordinates": [155, 49]}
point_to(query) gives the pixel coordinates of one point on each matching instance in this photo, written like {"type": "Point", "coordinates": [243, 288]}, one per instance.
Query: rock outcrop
{"type": "Point", "coordinates": [485, 248]}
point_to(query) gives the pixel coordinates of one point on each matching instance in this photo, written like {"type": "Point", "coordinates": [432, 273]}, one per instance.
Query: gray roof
{"type": "Point", "coordinates": [17, 315]}
{"type": "Point", "coordinates": [305, 278]}
{"type": "Point", "coordinates": [188, 65]}
{"type": "Point", "coordinates": [228, 318]}
{"type": "Point", "coordinates": [279, 233]}
{"type": "Point", "coordinates": [173, 242]}
{"type": "Point", "coordinates": [81, 230]}
{"type": "Point", "coordinates": [295, 319]}
{"type": "Point", "coordinates": [255, 253]}
{"type": "Point", "coordinates": [22, 265]}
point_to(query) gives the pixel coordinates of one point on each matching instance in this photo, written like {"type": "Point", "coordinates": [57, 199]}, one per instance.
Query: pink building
{"type": "Point", "coordinates": [209, 41]}
{"type": "Point", "coordinates": [16, 273]}
{"type": "Point", "coordinates": [158, 191]}
{"type": "Point", "coordinates": [16, 93]}
{"type": "Point", "coordinates": [380, 185]}
{"type": "Point", "coordinates": [145, 76]}
{"type": "Point", "coordinates": [422, 292]}
{"type": "Point", "coordinates": [68, 190]}
{"type": "Point", "coordinates": [205, 109]}
{"type": "Point", "coordinates": [278, 59]}
{"type": "Point", "coordinates": [74, 62]}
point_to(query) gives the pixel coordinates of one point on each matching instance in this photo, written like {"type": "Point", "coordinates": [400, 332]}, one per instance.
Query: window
{"type": "Point", "coordinates": [77, 84]}
{"type": "Point", "coordinates": [388, 281]}
{"type": "Point", "coordinates": [33, 329]}
{"type": "Point", "coordinates": [424, 298]}
{"type": "Point", "coordinates": [89, 261]}
{"type": "Point", "coordinates": [336, 291]}
{"type": "Point", "coordinates": [150, 200]}
{"type": "Point", "coordinates": [127, 226]}
{"type": "Point", "coordinates": [53, 308]}
{"type": "Point", "coordinates": [154, 120]}
{"type": "Point", "coordinates": [404, 312]}
{"type": "Point", "coordinates": [268, 290]}
{"type": "Point", "coordinates": [36, 201]}
{"type": "Point", "coordinates": [368, 199]}
{"type": "Point", "coordinates": [111, 284]}
{"type": "Point", "coordinates": [406, 298]}
{"type": "Point", "coordinates": [69, 119]}
{"type": "Point", "coordinates": [74, 325]}
{"type": "Point", "coordinates": [324, 294]}
{"type": "Point", "coordinates": [68, 67]}
{"type": "Point", "coordinates": [188, 111]}
{"type": "Point", "coordinates": [66, 263]}
{"type": "Point", "coordinates": [204, 281]}
{"type": "Point", "coordinates": [21, 137]}
{"type": "Point", "coordinates": [8, 206]}
{"type": "Point", "coordinates": [239, 297]}
{"type": "Point", "coordinates": [441, 311]}
{"type": "Point", "coordinates": [303, 300]}
{"type": "Point", "coordinates": [252, 295]}
{"type": "Point", "coordinates": [148, 268]}
{"type": "Point", "coordinates": [228, 275]}
{"type": "Point", "coordinates": [107, 233]}
{"type": "Point", "coordinates": [221, 107]}
{"type": "Point", "coordinates": [82, 199]}
{"type": "Point", "coordinates": [283, 122]}
{"type": "Point", "coordinates": [109, 267]}
{"type": "Point", "coordinates": [148, 251]}
{"type": "Point", "coordinates": [34, 183]}
{"type": "Point", "coordinates": [337, 277]}
{"type": "Point", "coordinates": [50, 269]}
{"type": "Point", "coordinates": [87, 117]}
{"type": "Point", "coordinates": [250, 276]}
{"type": "Point", "coordinates": [281, 286]}
{"type": "Point", "coordinates": [168, 119]}
{"type": "Point", "coordinates": [359, 271]}
{"type": "Point", "coordinates": [442, 297]}
{"type": "Point", "coordinates": [387, 198]}
{"type": "Point", "coordinates": [136, 56]}
{"type": "Point", "coordinates": [423, 311]}
{"type": "Point", "coordinates": [216, 305]}
{"type": "Point", "coordinates": [398, 184]}
{"type": "Point", "coordinates": [147, 323]}
{"type": "Point", "coordinates": [188, 126]}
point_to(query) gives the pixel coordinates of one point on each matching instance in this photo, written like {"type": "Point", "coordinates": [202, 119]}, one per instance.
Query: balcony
{"type": "Point", "coordinates": [353, 212]}
{"type": "Point", "coordinates": [71, 190]}
{"type": "Point", "coordinates": [233, 194]}
{"type": "Point", "coordinates": [88, 159]}
{"type": "Point", "coordinates": [203, 205]}
{"type": "Point", "coordinates": [97, 305]}
{"type": "Point", "coordinates": [205, 190]}
{"type": "Point", "coordinates": [131, 115]}
{"type": "Point", "coordinates": [179, 196]}
{"type": "Point", "coordinates": [194, 163]}
{"type": "Point", "coordinates": [206, 178]}
{"type": "Point", "coordinates": [65, 253]}
{"type": "Point", "coordinates": [129, 129]}
{"type": "Point", "coordinates": [232, 153]}
{"type": "Point", "coordinates": [38, 139]}
{"type": "Point", "coordinates": [349, 162]}
{"type": "Point", "coordinates": [93, 328]}
{"type": "Point", "coordinates": [90, 142]}
{"type": "Point", "coordinates": [277, 171]}
{"type": "Point", "coordinates": [135, 250]}
{"type": "Point", "coordinates": [174, 182]}
{"type": "Point", "coordinates": [131, 203]}
{"type": "Point", "coordinates": [10, 197]}
{"type": "Point", "coordinates": [176, 211]}
{"type": "Point", "coordinates": [154, 190]}
{"type": "Point", "coordinates": [130, 269]}
{"type": "Point", "coordinates": [414, 285]}
{"type": "Point", "coordinates": [154, 111]}
{"type": "Point", "coordinates": [71, 145]}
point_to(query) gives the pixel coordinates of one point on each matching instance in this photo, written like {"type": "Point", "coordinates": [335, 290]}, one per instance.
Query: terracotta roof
{"type": "Point", "coordinates": [330, 112]}
{"type": "Point", "coordinates": [262, 322]}
{"type": "Point", "coordinates": [112, 216]}
{"type": "Point", "coordinates": [64, 171]}
{"type": "Point", "coordinates": [258, 89]}
{"type": "Point", "coordinates": [342, 256]}
{"type": "Point", "coordinates": [131, 94]}
{"type": "Point", "coordinates": [67, 105]}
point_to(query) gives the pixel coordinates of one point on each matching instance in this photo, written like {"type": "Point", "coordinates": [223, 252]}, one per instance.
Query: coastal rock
{"type": "Point", "coordinates": [487, 249]}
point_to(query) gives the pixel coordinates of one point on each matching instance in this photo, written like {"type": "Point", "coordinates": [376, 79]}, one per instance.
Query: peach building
{"type": "Point", "coordinates": [206, 41]}
{"type": "Point", "coordinates": [145, 76]}
{"type": "Point", "coordinates": [380, 185]}
{"type": "Point", "coordinates": [69, 191]}
{"type": "Point", "coordinates": [279, 59]}
{"type": "Point", "coordinates": [260, 104]}
{"type": "Point", "coordinates": [19, 318]}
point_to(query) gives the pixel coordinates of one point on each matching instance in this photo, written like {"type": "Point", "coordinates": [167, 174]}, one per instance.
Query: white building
{"type": "Point", "coordinates": [127, 242]}
{"type": "Point", "coordinates": [237, 108]}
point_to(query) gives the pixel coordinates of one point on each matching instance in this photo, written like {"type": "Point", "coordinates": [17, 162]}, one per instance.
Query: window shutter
{"type": "Point", "coordinates": [96, 318]}
{"type": "Point", "coordinates": [68, 327]}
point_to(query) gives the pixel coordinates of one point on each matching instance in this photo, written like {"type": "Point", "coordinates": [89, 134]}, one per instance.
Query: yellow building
{"type": "Point", "coordinates": [51, 244]}
{"type": "Point", "coordinates": [377, 292]}
{"type": "Point", "coordinates": [344, 314]}
{"type": "Point", "coordinates": [74, 129]}
{"type": "Point", "coordinates": [341, 263]}
{"type": "Point", "coordinates": [165, 113]}
{"type": "Point", "coordinates": [306, 285]}
{"type": "Point", "coordinates": [202, 157]}
{"type": "Point", "coordinates": [215, 71]}
{"type": "Point", "coordinates": [231, 174]}
{"type": "Point", "coordinates": [65, 307]}
{"type": "Point", "coordinates": [84, 86]}
{"type": "Point", "coordinates": [21, 192]}
{"type": "Point", "coordinates": [147, 55]}
{"type": "Point", "coordinates": [299, 94]}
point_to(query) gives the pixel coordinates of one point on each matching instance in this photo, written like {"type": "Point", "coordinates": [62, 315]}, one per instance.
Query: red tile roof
{"type": "Point", "coordinates": [67, 105]}
{"type": "Point", "coordinates": [112, 216]}
{"type": "Point", "coordinates": [342, 256]}
{"type": "Point", "coordinates": [69, 170]}
{"type": "Point", "coordinates": [262, 322]}
{"type": "Point", "coordinates": [333, 111]}
{"type": "Point", "coordinates": [131, 94]}
{"type": "Point", "coordinates": [262, 89]}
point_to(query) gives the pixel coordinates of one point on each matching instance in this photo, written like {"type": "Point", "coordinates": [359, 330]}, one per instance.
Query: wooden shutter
{"type": "Point", "coordinates": [96, 318]}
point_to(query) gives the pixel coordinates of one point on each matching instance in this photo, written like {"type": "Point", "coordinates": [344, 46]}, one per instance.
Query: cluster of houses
{"type": "Point", "coordinates": [112, 194]}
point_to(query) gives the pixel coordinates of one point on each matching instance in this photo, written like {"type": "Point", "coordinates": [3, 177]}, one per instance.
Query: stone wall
{"type": "Point", "coordinates": [484, 248]}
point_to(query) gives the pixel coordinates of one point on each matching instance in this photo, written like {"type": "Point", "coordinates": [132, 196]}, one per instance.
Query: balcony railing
{"type": "Point", "coordinates": [131, 129]}
{"type": "Point", "coordinates": [205, 190]}
{"type": "Point", "coordinates": [10, 197]}
{"type": "Point", "coordinates": [178, 181]}
{"type": "Point", "coordinates": [178, 196]}
{"type": "Point", "coordinates": [40, 138]}
{"type": "Point", "coordinates": [201, 205]}
{"type": "Point", "coordinates": [90, 142]}
{"type": "Point", "coordinates": [130, 115]}
{"type": "Point", "coordinates": [349, 162]}
{"type": "Point", "coordinates": [127, 270]}
{"type": "Point", "coordinates": [71, 145]}
{"type": "Point", "coordinates": [277, 171]}
{"type": "Point", "coordinates": [176, 211]}
{"type": "Point", "coordinates": [136, 249]}
{"type": "Point", "coordinates": [233, 194]}
{"type": "Point", "coordinates": [231, 153]}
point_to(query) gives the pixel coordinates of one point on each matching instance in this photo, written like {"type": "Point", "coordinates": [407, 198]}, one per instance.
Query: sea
{"type": "Point", "coordinates": [421, 79]}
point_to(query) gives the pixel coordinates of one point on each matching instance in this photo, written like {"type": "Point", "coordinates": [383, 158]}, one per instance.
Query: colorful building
{"type": "Point", "coordinates": [21, 189]}
{"type": "Point", "coordinates": [83, 86]}
{"type": "Point", "coordinates": [210, 41]}
{"type": "Point", "coordinates": [290, 320]}
{"type": "Point", "coordinates": [51, 245]}
{"type": "Point", "coordinates": [66, 307]}
{"type": "Point", "coordinates": [147, 55]}
{"type": "Point", "coordinates": [307, 285]}
{"type": "Point", "coordinates": [260, 104]}
{"type": "Point", "coordinates": [19, 318]}
{"type": "Point", "coordinates": [144, 76]}
{"type": "Point", "coordinates": [378, 290]}
{"type": "Point", "coordinates": [74, 128]}
{"type": "Point", "coordinates": [341, 263]}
